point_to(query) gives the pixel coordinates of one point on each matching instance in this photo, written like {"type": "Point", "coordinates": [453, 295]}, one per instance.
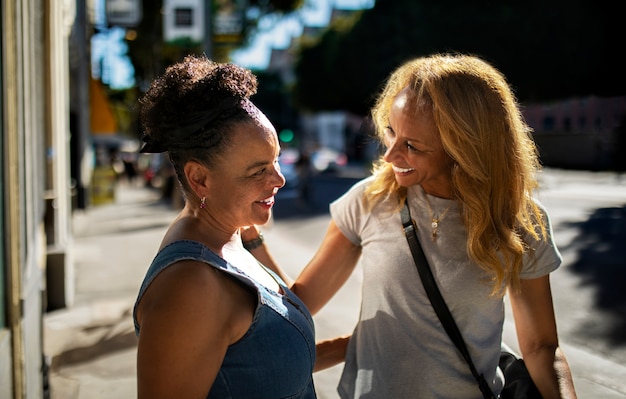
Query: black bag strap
{"type": "Point", "coordinates": [436, 299]}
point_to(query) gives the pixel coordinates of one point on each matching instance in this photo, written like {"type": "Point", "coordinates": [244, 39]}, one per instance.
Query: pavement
{"type": "Point", "coordinates": [91, 345]}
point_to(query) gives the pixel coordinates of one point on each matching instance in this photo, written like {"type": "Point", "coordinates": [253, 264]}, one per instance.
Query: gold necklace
{"type": "Point", "coordinates": [434, 220]}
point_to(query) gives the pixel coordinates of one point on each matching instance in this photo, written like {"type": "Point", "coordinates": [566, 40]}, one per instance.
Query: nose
{"type": "Point", "coordinates": [279, 178]}
{"type": "Point", "coordinates": [391, 152]}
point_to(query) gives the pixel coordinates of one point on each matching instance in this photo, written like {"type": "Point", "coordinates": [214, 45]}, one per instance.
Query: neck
{"type": "Point", "coordinates": [200, 225]}
{"type": "Point", "coordinates": [444, 192]}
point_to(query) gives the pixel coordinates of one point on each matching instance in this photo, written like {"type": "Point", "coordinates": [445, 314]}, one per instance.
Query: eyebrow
{"type": "Point", "coordinates": [256, 165]}
{"type": "Point", "coordinates": [410, 138]}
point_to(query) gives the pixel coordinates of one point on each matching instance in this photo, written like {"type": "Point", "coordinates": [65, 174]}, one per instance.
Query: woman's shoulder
{"type": "Point", "coordinates": [180, 286]}
{"type": "Point", "coordinates": [186, 248]}
{"type": "Point", "coordinates": [179, 261]}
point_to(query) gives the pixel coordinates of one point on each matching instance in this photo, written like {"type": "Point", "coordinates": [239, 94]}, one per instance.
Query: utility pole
{"type": "Point", "coordinates": [208, 29]}
{"type": "Point", "coordinates": [82, 112]}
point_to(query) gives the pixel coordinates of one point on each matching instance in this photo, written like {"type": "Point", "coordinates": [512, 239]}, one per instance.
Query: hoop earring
{"type": "Point", "coordinates": [203, 203]}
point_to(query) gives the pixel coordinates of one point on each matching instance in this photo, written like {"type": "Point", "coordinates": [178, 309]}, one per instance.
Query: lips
{"type": "Point", "coordinates": [267, 202]}
{"type": "Point", "coordinates": [402, 170]}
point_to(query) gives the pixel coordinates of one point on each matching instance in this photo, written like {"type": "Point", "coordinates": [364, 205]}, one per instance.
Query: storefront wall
{"type": "Point", "coordinates": [33, 76]}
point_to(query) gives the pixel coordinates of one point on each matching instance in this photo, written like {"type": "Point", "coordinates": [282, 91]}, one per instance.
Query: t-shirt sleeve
{"type": "Point", "coordinates": [544, 257]}
{"type": "Point", "coordinates": [348, 212]}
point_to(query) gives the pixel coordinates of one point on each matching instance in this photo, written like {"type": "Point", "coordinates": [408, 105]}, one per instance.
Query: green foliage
{"type": "Point", "coordinates": [122, 103]}
{"type": "Point", "coordinates": [547, 49]}
{"type": "Point", "coordinates": [280, 6]}
{"type": "Point", "coordinates": [149, 55]}
{"type": "Point", "coordinates": [273, 99]}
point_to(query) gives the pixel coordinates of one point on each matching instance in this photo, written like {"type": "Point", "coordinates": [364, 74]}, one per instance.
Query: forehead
{"type": "Point", "coordinates": [255, 137]}
{"type": "Point", "coordinates": [413, 119]}
{"type": "Point", "coordinates": [409, 109]}
{"type": "Point", "coordinates": [410, 102]}
{"type": "Point", "coordinates": [251, 146]}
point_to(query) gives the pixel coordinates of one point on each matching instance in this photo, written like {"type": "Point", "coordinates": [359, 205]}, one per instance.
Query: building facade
{"type": "Point", "coordinates": [35, 190]}
{"type": "Point", "coordinates": [579, 133]}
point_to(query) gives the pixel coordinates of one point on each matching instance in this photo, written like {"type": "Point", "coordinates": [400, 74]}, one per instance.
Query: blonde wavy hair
{"type": "Point", "coordinates": [495, 158]}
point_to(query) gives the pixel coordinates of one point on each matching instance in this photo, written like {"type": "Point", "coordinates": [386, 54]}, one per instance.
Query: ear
{"type": "Point", "coordinates": [198, 178]}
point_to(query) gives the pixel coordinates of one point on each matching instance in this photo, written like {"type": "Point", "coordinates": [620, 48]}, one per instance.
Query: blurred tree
{"type": "Point", "coordinates": [547, 49]}
{"type": "Point", "coordinates": [122, 104]}
{"type": "Point", "coordinates": [149, 55]}
{"type": "Point", "coordinates": [274, 100]}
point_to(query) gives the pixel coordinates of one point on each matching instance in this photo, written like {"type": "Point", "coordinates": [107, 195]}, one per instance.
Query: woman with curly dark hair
{"type": "Point", "coordinates": [212, 321]}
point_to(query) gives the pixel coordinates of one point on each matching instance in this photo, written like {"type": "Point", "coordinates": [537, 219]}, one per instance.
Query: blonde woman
{"type": "Point", "coordinates": [458, 150]}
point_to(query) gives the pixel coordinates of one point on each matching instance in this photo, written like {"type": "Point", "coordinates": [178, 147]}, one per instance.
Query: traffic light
{"type": "Point", "coordinates": [286, 135]}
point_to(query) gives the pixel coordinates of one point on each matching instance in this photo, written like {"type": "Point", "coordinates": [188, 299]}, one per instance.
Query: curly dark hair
{"type": "Point", "coordinates": [191, 109]}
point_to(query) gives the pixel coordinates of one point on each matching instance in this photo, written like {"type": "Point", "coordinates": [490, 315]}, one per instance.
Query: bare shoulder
{"type": "Point", "coordinates": [188, 317]}
{"type": "Point", "coordinates": [199, 296]}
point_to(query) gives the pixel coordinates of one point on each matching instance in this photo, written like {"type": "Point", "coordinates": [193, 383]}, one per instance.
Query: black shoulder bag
{"type": "Point", "coordinates": [518, 383]}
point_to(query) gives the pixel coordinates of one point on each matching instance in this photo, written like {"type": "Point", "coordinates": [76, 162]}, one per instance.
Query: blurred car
{"type": "Point", "coordinates": [327, 160]}
{"type": "Point", "coordinates": [288, 161]}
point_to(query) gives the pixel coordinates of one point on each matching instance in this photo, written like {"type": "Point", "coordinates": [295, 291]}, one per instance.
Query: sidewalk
{"type": "Point", "coordinates": [92, 345]}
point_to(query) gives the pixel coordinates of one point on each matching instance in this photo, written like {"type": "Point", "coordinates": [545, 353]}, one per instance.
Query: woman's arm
{"type": "Point", "coordinates": [535, 324]}
{"type": "Point", "coordinates": [324, 275]}
{"type": "Point", "coordinates": [330, 352]}
{"type": "Point", "coordinates": [329, 269]}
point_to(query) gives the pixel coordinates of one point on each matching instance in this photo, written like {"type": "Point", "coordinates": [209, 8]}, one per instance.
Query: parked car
{"type": "Point", "coordinates": [288, 161]}
{"type": "Point", "coordinates": [327, 160]}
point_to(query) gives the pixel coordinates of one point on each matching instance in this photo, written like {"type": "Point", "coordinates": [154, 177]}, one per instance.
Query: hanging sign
{"type": "Point", "coordinates": [183, 22]}
{"type": "Point", "coordinates": [229, 21]}
{"type": "Point", "coordinates": [126, 13]}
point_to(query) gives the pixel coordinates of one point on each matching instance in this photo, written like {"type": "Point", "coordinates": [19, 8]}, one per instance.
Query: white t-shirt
{"type": "Point", "coordinates": [399, 348]}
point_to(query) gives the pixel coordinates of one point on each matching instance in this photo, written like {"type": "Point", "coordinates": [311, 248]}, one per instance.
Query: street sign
{"type": "Point", "coordinates": [125, 13]}
{"type": "Point", "coordinates": [183, 22]}
{"type": "Point", "coordinates": [229, 21]}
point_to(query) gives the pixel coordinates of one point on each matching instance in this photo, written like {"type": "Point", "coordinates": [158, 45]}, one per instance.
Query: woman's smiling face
{"type": "Point", "coordinates": [246, 176]}
{"type": "Point", "coordinates": [414, 147]}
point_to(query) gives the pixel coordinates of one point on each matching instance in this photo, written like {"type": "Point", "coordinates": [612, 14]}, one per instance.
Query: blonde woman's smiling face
{"type": "Point", "coordinates": [414, 147]}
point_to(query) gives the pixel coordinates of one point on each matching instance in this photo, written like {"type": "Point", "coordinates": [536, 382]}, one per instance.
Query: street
{"type": "Point", "coordinates": [92, 345]}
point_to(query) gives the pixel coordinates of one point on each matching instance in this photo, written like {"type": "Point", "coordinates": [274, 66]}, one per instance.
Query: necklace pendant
{"type": "Point", "coordinates": [434, 224]}
{"type": "Point", "coordinates": [435, 219]}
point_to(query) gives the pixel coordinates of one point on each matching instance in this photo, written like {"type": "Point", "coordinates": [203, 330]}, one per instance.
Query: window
{"type": "Point", "coordinates": [567, 124]}
{"type": "Point", "coordinates": [183, 17]}
{"type": "Point", "coordinates": [548, 123]}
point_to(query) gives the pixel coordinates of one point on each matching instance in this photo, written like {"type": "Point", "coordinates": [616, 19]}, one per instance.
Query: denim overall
{"type": "Point", "coordinates": [275, 357]}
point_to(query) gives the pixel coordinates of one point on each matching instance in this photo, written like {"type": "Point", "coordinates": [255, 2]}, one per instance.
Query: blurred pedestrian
{"type": "Point", "coordinates": [460, 155]}
{"type": "Point", "coordinates": [130, 167]}
{"type": "Point", "coordinates": [303, 168]}
{"type": "Point", "coordinates": [212, 321]}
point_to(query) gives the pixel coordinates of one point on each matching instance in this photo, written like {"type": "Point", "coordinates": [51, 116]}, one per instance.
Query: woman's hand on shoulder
{"type": "Point", "coordinates": [249, 233]}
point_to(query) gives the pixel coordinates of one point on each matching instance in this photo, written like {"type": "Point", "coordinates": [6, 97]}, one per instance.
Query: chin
{"type": "Point", "coordinates": [403, 182]}
{"type": "Point", "coordinates": [263, 219]}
